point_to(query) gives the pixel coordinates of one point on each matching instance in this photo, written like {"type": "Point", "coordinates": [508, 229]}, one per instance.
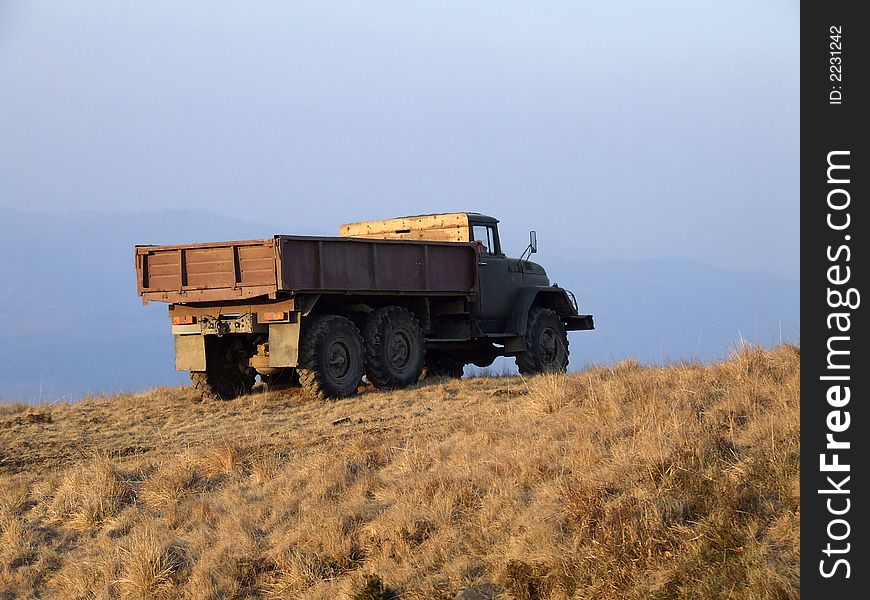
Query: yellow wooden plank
{"type": "Point", "coordinates": [440, 221]}
{"type": "Point", "coordinates": [450, 227]}
{"type": "Point", "coordinates": [454, 234]}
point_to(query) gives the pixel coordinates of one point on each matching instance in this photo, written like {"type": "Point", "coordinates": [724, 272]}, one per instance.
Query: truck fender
{"type": "Point", "coordinates": [548, 297]}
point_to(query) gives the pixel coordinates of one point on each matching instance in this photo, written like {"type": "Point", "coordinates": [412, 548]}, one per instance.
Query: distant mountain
{"type": "Point", "coordinates": [72, 322]}
{"type": "Point", "coordinates": [666, 310]}
{"type": "Point", "coordinates": [73, 325]}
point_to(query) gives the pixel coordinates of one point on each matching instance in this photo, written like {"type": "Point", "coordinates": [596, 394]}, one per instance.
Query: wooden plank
{"type": "Point", "coordinates": [439, 221]}
{"type": "Point", "coordinates": [171, 271]}
{"type": "Point", "coordinates": [450, 227]}
{"type": "Point", "coordinates": [456, 234]}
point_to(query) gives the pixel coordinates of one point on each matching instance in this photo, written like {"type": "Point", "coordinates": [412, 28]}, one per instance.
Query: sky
{"type": "Point", "coordinates": [617, 130]}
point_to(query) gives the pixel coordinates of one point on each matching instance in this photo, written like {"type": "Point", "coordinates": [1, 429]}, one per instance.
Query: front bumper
{"type": "Point", "coordinates": [579, 322]}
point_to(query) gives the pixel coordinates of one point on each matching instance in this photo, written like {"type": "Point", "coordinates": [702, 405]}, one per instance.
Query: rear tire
{"type": "Point", "coordinates": [546, 344]}
{"type": "Point", "coordinates": [395, 348]}
{"type": "Point", "coordinates": [331, 360]}
{"type": "Point", "coordinates": [227, 374]}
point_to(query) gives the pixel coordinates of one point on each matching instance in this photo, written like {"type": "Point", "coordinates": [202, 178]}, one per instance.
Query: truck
{"type": "Point", "coordinates": [390, 301]}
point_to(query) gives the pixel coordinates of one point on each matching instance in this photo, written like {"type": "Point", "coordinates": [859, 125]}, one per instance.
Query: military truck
{"type": "Point", "coordinates": [390, 300]}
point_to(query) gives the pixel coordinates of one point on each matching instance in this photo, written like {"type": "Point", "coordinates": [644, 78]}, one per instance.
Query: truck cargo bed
{"type": "Point", "coordinates": [227, 271]}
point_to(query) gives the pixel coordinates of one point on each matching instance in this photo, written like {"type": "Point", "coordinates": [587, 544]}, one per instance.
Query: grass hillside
{"type": "Point", "coordinates": [624, 482]}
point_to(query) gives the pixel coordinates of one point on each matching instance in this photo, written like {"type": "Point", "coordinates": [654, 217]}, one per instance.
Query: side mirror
{"type": "Point", "coordinates": [533, 241]}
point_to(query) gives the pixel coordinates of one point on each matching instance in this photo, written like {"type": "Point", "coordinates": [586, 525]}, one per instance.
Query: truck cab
{"type": "Point", "coordinates": [501, 278]}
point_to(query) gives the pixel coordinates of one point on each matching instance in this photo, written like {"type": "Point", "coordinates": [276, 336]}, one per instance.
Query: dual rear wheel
{"type": "Point", "coordinates": [334, 354]}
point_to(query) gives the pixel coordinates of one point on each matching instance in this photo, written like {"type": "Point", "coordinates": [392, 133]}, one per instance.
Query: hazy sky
{"type": "Point", "coordinates": [618, 130]}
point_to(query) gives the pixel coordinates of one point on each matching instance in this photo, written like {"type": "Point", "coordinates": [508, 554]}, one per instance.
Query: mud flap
{"type": "Point", "coordinates": [514, 345]}
{"type": "Point", "coordinates": [189, 352]}
{"type": "Point", "coordinates": [284, 344]}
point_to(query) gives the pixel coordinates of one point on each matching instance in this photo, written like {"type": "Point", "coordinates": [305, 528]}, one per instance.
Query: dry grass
{"type": "Point", "coordinates": [623, 482]}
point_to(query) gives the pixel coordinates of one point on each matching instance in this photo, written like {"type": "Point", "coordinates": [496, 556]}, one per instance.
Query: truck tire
{"type": "Point", "coordinates": [546, 344]}
{"type": "Point", "coordinates": [227, 375]}
{"type": "Point", "coordinates": [331, 360]}
{"type": "Point", "coordinates": [441, 365]}
{"type": "Point", "coordinates": [395, 348]}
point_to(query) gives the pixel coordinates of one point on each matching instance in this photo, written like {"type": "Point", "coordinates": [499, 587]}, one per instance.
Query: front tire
{"type": "Point", "coordinates": [395, 348]}
{"type": "Point", "coordinates": [546, 344]}
{"type": "Point", "coordinates": [330, 357]}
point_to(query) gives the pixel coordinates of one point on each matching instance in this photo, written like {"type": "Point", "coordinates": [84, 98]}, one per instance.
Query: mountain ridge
{"type": "Point", "coordinates": [68, 297]}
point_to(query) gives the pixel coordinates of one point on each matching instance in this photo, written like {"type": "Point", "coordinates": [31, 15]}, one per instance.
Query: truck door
{"type": "Point", "coordinates": [499, 280]}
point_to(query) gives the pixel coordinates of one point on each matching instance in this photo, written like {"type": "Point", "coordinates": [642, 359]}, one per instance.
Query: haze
{"type": "Point", "coordinates": [625, 130]}
{"type": "Point", "coordinates": [653, 146]}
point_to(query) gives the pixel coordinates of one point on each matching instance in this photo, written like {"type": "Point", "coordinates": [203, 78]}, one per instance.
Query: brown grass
{"type": "Point", "coordinates": [623, 482]}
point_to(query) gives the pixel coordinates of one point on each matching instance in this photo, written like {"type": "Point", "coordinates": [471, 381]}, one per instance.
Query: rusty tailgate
{"type": "Point", "coordinates": [207, 272]}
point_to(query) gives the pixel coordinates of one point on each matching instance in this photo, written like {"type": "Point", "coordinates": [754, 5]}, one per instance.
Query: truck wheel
{"type": "Point", "coordinates": [546, 344]}
{"type": "Point", "coordinates": [330, 357]}
{"type": "Point", "coordinates": [440, 365]}
{"type": "Point", "coordinates": [395, 349]}
{"type": "Point", "coordinates": [227, 375]}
